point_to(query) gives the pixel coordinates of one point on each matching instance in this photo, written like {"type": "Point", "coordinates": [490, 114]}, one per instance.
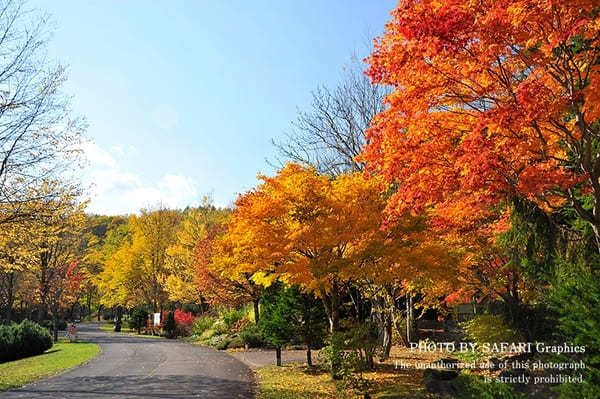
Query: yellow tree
{"type": "Point", "coordinates": [136, 273]}
{"type": "Point", "coordinates": [103, 236]}
{"type": "Point", "coordinates": [16, 257]}
{"type": "Point", "coordinates": [56, 241]}
{"type": "Point", "coordinates": [197, 226]}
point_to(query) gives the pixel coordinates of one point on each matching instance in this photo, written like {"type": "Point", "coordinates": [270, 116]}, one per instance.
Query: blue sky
{"type": "Point", "coordinates": [183, 97]}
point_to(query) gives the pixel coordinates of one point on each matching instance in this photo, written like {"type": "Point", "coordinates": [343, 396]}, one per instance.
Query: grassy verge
{"type": "Point", "coordinates": [109, 327]}
{"type": "Point", "coordinates": [298, 381]}
{"type": "Point", "coordinates": [61, 356]}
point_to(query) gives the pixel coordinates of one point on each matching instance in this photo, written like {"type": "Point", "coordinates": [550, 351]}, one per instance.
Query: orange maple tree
{"type": "Point", "coordinates": [324, 234]}
{"type": "Point", "coordinates": [493, 99]}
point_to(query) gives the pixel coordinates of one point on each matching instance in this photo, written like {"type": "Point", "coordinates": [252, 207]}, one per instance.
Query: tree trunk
{"type": "Point", "coordinates": [409, 318]}
{"type": "Point", "coordinates": [11, 298]}
{"type": "Point", "coordinates": [309, 356]}
{"type": "Point", "coordinates": [89, 304]}
{"type": "Point", "coordinates": [387, 334]}
{"type": "Point", "coordinates": [596, 230]}
{"type": "Point", "coordinates": [369, 361]}
{"type": "Point", "coordinates": [42, 311]}
{"type": "Point", "coordinates": [278, 355]}
{"type": "Point", "coordinates": [55, 322]}
{"type": "Point", "coordinates": [331, 302]}
{"type": "Point", "coordinates": [256, 310]}
{"type": "Point", "coordinates": [119, 321]}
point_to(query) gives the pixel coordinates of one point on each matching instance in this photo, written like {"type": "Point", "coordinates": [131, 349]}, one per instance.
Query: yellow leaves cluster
{"type": "Point", "coordinates": [137, 272]}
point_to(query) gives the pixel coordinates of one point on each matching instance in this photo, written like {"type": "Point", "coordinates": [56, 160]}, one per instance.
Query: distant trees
{"type": "Point", "coordinates": [41, 258]}
{"type": "Point", "coordinates": [191, 248]}
{"type": "Point", "coordinates": [135, 273]}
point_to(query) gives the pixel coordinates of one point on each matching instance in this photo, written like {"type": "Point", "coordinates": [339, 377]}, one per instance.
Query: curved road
{"type": "Point", "coordinates": [132, 367]}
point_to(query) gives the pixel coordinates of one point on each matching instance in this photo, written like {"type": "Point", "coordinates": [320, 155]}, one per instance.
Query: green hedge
{"type": "Point", "coordinates": [23, 340]}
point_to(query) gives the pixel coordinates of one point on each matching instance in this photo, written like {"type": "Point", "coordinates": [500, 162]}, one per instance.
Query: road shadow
{"type": "Point", "coordinates": [135, 387]}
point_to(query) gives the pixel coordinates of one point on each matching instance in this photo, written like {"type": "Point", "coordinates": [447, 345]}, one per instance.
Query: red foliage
{"type": "Point", "coordinates": [184, 318]}
{"type": "Point", "coordinates": [184, 321]}
{"type": "Point", "coordinates": [492, 100]}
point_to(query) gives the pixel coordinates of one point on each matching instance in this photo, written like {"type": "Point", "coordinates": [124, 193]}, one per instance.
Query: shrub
{"type": "Point", "coordinates": [575, 296]}
{"type": "Point", "coordinates": [339, 362]}
{"type": "Point", "coordinates": [235, 343]}
{"type": "Point", "coordinates": [23, 340]}
{"type": "Point", "coordinates": [534, 322]}
{"type": "Point", "coordinates": [202, 324]}
{"type": "Point", "coordinates": [219, 341]}
{"type": "Point", "coordinates": [252, 336]}
{"type": "Point", "coordinates": [138, 320]}
{"type": "Point", "coordinates": [220, 326]}
{"type": "Point", "coordinates": [469, 386]}
{"type": "Point", "coordinates": [332, 355]}
{"type": "Point", "coordinates": [169, 325]}
{"type": "Point", "coordinates": [230, 316]}
{"type": "Point", "coordinates": [364, 340]}
{"type": "Point", "coordinates": [207, 334]}
{"type": "Point", "coordinates": [184, 321]}
{"type": "Point", "coordinates": [489, 328]}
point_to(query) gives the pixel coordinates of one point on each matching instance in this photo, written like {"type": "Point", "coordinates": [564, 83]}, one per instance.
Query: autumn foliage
{"type": "Point", "coordinates": [184, 321]}
{"type": "Point", "coordinates": [493, 100]}
{"type": "Point", "coordinates": [323, 233]}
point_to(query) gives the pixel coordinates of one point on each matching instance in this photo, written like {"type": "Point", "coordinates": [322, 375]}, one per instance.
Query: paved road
{"type": "Point", "coordinates": [132, 367]}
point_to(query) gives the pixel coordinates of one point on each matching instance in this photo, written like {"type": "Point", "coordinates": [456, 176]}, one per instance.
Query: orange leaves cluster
{"type": "Point", "coordinates": [319, 232]}
{"type": "Point", "coordinates": [217, 282]}
{"type": "Point", "coordinates": [486, 97]}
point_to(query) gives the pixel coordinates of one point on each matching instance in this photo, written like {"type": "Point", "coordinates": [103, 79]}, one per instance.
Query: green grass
{"type": "Point", "coordinates": [61, 356]}
{"type": "Point", "coordinates": [293, 381]}
{"type": "Point", "coordinates": [108, 327]}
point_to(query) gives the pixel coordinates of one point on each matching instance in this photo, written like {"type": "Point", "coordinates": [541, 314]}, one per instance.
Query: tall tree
{"type": "Point", "coordinates": [198, 227]}
{"type": "Point", "coordinates": [317, 232]}
{"type": "Point", "coordinates": [57, 240]}
{"type": "Point", "coordinates": [39, 141]}
{"type": "Point", "coordinates": [492, 100]}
